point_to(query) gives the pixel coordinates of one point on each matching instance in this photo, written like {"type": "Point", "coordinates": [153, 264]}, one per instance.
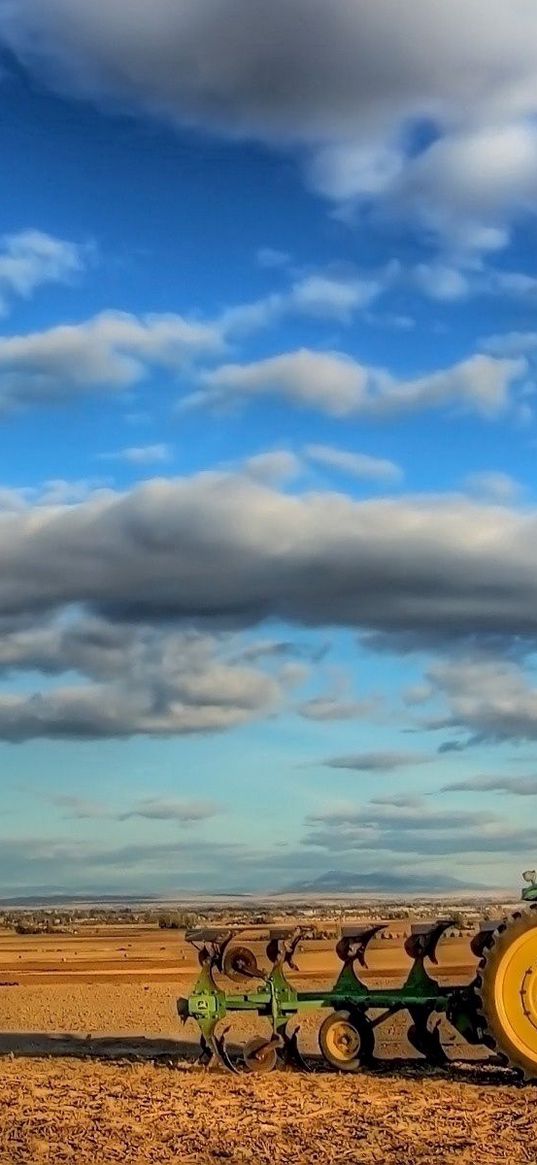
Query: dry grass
{"type": "Point", "coordinates": [90, 1112]}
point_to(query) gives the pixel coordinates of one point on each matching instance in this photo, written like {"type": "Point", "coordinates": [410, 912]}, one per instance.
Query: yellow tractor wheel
{"type": "Point", "coordinates": [507, 986]}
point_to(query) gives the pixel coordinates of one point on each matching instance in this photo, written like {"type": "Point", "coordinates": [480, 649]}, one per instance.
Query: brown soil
{"type": "Point", "coordinates": [96, 1114]}
{"type": "Point", "coordinates": [95, 1068]}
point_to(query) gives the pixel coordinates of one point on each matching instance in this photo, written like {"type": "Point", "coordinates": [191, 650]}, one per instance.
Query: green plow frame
{"type": "Point", "coordinates": [347, 1035]}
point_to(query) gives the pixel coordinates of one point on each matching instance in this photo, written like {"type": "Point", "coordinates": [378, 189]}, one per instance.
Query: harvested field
{"type": "Point", "coordinates": [94, 1067]}
{"type": "Point", "coordinates": [56, 1111]}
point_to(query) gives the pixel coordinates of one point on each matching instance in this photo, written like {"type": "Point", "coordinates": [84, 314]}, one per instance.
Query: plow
{"type": "Point", "coordinates": [497, 1009]}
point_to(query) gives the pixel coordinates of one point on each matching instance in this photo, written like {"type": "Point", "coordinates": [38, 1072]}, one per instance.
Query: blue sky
{"type": "Point", "coordinates": [268, 584]}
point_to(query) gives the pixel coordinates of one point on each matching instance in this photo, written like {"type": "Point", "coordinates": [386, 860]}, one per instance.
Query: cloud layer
{"type": "Point", "coordinates": [416, 829]}
{"type": "Point", "coordinates": [223, 547]}
{"type": "Point", "coordinates": [133, 591]}
{"type": "Point", "coordinates": [351, 85]}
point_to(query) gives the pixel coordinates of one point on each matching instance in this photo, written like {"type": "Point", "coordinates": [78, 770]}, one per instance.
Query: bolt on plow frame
{"type": "Point", "coordinates": [498, 1009]}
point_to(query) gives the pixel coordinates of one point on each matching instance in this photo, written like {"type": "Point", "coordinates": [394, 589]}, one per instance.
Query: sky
{"type": "Point", "coordinates": [268, 512]}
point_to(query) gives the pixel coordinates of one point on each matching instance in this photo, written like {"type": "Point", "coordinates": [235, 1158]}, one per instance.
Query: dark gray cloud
{"type": "Point", "coordinates": [222, 547]}
{"type": "Point", "coordinates": [325, 708]}
{"type": "Point", "coordinates": [284, 69]}
{"type": "Point", "coordinates": [377, 762]}
{"type": "Point", "coordinates": [276, 649]}
{"type": "Point", "coordinates": [162, 809]}
{"type": "Point", "coordinates": [518, 786]}
{"type": "Point", "coordinates": [398, 800]}
{"type": "Point", "coordinates": [342, 82]}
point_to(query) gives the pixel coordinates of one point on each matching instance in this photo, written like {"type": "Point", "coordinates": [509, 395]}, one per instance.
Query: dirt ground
{"type": "Point", "coordinates": [94, 1067]}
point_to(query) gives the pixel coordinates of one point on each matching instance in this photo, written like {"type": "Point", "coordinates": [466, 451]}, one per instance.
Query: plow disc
{"type": "Point", "coordinates": [240, 964]}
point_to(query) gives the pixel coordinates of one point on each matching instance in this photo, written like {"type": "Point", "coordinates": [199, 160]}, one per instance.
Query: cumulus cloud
{"type": "Point", "coordinates": [345, 85]}
{"type": "Point", "coordinates": [137, 680]}
{"type": "Point", "coordinates": [221, 547]}
{"type": "Point", "coordinates": [32, 258]}
{"type": "Point", "coordinates": [338, 385]}
{"type": "Point", "coordinates": [359, 465]}
{"type": "Point", "coordinates": [490, 698]}
{"type": "Point", "coordinates": [108, 353]}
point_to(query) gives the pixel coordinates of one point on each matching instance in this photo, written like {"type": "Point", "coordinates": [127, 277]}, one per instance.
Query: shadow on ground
{"type": "Point", "coordinates": [39, 1044]}
{"type": "Point", "coordinates": [174, 1053]}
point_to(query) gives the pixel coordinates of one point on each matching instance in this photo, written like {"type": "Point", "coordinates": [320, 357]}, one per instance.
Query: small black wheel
{"type": "Point", "coordinates": [260, 1055]}
{"type": "Point", "coordinates": [346, 1040]}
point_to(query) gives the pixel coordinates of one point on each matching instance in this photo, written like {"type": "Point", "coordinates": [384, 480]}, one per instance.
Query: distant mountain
{"type": "Point", "coordinates": [380, 882]}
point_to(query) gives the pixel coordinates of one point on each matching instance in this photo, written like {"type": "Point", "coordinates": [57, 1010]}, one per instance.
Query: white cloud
{"type": "Point", "coordinates": [32, 258]}
{"type": "Point", "coordinates": [329, 298]}
{"type": "Point", "coordinates": [510, 343]}
{"type": "Point", "coordinates": [441, 282]}
{"type": "Point", "coordinates": [278, 465]}
{"type": "Point", "coordinates": [498, 486]}
{"type": "Point", "coordinates": [56, 492]}
{"type": "Point", "coordinates": [272, 258]}
{"type": "Point", "coordinates": [318, 295]}
{"type": "Point", "coordinates": [359, 465]}
{"type": "Point", "coordinates": [110, 352]}
{"type": "Point", "coordinates": [467, 275]}
{"type": "Point", "coordinates": [338, 385]}
{"type": "Point", "coordinates": [348, 81]}
{"type": "Point", "coordinates": [140, 454]}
